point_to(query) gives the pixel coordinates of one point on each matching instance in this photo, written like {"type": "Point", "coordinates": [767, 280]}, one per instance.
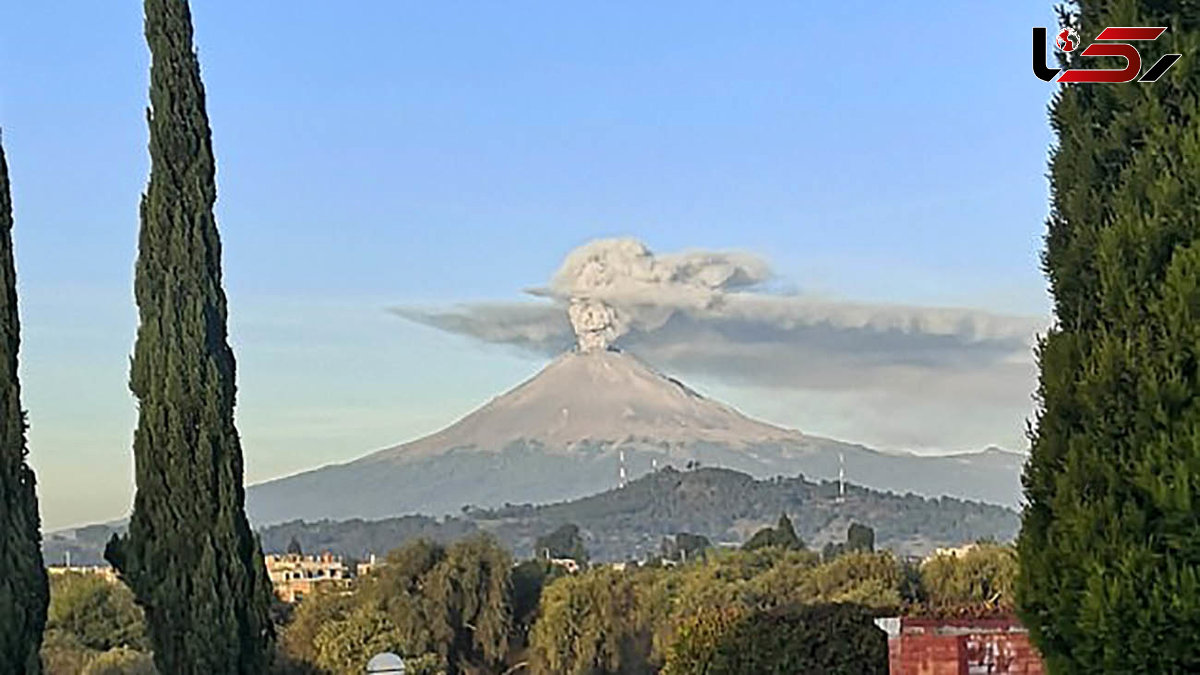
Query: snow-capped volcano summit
{"type": "Point", "coordinates": [567, 432]}
{"type": "Point", "coordinates": [594, 396]}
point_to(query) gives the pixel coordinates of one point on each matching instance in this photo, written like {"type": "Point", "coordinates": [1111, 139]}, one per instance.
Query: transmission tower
{"type": "Point", "coordinates": [841, 478]}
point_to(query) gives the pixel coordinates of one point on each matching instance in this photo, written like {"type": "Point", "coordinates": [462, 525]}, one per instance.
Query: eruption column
{"type": "Point", "coordinates": [594, 323]}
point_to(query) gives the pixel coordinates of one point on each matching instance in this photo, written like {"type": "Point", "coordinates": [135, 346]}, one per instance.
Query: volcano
{"type": "Point", "coordinates": [595, 396]}
{"type": "Point", "coordinates": [587, 422]}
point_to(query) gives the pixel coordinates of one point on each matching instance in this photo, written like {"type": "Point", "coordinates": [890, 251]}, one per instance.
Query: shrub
{"type": "Point", "coordinates": [801, 640]}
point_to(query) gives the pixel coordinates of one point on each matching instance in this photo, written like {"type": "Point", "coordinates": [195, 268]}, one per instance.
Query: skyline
{"type": "Point", "coordinates": [463, 164]}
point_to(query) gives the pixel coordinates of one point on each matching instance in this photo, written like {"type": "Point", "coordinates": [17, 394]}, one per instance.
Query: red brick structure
{"type": "Point", "coordinates": [929, 646]}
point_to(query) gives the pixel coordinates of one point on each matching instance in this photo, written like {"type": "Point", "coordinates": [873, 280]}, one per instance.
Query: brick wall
{"type": "Point", "coordinates": [995, 646]}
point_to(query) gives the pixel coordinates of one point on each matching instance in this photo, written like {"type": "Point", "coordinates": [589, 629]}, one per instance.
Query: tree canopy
{"type": "Point", "coordinates": [1110, 544]}
{"type": "Point", "coordinates": [94, 626]}
{"type": "Point", "coordinates": [783, 535]}
{"type": "Point", "coordinates": [827, 639]}
{"type": "Point", "coordinates": [467, 609]}
{"type": "Point", "coordinates": [636, 621]}
{"type": "Point", "coordinates": [451, 606]}
{"type": "Point", "coordinates": [564, 542]}
{"type": "Point", "coordinates": [100, 614]}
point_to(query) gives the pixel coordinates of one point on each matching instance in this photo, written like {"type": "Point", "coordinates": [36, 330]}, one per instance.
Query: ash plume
{"type": "Point", "coordinates": [595, 324]}
{"type": "Point", "coordinates": [613, 286]}
{"type": "Point", "coordinates": [887, 374]}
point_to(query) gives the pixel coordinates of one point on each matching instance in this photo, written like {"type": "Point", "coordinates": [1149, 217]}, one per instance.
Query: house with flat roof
{"type": "Point", "coordinates": [294, 575]}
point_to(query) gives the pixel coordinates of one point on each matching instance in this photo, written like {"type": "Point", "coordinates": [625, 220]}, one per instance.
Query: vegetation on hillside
{"type": "Point", "coordinates": [359, 539]}
{"type": "Point", "coordinates": [728, 507]}
{"type": "Point", "coordinates": [1110, 547]}
{"type": "Point", "coordinates": [723, 506]}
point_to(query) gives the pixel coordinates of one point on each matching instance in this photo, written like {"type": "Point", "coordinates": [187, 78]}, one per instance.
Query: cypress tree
{"type": "Point", "coordinates": [190, 556]}
{"type": "Point", "coordinates": [1110, 544]}
{"type": "Point", "coordinates": [24, 589]}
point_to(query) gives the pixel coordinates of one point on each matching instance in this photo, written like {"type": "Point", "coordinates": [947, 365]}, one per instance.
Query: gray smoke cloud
{"type": "Point", "coordinates": [612, 286]}
{"type": "Point", "coordinates": [709, 314]}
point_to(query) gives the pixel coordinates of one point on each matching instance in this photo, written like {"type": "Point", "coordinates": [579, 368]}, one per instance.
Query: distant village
{"type": "Point", "coordinates": [295, 575]}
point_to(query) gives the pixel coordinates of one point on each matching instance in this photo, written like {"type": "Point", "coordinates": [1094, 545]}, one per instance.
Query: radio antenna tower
{"type": "Point", "coordinates": [622, 473]}
{"type": "Point", "coordinates": [841, 478]}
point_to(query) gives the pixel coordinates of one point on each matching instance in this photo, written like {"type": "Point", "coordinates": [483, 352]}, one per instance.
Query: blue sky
{"type": "Point", "coordinates": [375, 154]}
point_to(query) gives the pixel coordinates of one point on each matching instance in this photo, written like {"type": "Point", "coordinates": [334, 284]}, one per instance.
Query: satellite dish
{"type": "Point", "coordinates": [386, 662]}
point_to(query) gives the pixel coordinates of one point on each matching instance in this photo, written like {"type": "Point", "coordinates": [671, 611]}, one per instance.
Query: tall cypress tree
{"type": "Point", "coordinates": [190, 556]}
{"type": "Point", "coordinates": [24, 590]}
{"type": "Point", "coordinates": [1110, 540]}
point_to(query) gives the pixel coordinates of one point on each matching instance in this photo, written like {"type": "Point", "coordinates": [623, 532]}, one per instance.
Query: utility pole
{"type": "Point", "coordinates": [841, 498]}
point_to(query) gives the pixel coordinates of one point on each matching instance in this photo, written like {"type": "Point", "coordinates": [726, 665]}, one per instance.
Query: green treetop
{"type": "Point", "coordinates": [783, 535]}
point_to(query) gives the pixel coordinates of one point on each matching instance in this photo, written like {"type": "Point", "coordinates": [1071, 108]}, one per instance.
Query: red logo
{"type": "Point", "coordinates": [1115, 43]}
{"type": "Point", "coordinates": [1066, 40]}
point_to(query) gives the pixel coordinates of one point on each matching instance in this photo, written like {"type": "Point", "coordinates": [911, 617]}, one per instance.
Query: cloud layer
{"type": "Point", "coordinates": [707, 314]}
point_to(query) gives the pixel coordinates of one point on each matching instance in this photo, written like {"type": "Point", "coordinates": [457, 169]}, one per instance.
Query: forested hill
{"type": "Point", "coordinates": [630, 522]}
{"type": "Point", "coordinates": [724, 505]}
{"type": "Point", "coordinates": [727, 506]}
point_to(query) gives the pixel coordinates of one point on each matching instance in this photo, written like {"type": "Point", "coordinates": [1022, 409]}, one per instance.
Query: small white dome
{"type": "Point", "coordinates": [386, 662]}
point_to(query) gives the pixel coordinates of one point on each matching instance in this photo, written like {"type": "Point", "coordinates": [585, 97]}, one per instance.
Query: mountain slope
{"type": "Point", "coordinates": [593, 396]}
{"type": "Point", "coordinates": [564, 433]}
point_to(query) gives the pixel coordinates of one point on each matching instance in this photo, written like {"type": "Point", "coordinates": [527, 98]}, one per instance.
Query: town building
{"type": "Point", "coordinates": [996, 645]}
{"type": "Point", "coordinates": [294, 575]}
{"type": "Point", "coordinates": [106, 572]}
{"type": "Point", "coordinates": [953, 552]}
{"type": "Point", "coordinates": [568, 564]}
{"type": "Point", "coordinates": [362, 569]}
